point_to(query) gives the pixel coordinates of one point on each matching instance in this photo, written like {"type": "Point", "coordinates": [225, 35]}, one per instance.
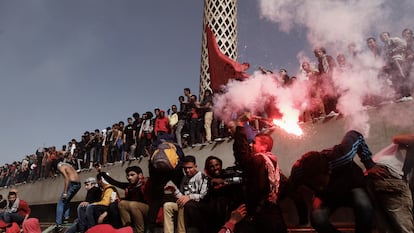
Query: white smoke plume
{"type": "Point", "coordinates": [334, 25]}
{"type": "Point", "coordinates": [257, 94]}
{"type": "Point", "coordinates": [328, 22]}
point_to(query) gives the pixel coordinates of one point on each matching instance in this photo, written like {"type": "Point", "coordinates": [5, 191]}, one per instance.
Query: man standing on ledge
{"type": "Point", "coordinates": [71, 187]}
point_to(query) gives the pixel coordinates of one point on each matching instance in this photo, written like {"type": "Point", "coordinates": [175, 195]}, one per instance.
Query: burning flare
{"type": "Point", "coordinates": [289, 125]}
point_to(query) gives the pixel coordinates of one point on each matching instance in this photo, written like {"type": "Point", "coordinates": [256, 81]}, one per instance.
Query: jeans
{"type": "Point", "coordinates": [89, 220]}
{"type": "Point", "coordinates": [93, 154]}
{"type": "Point", "coordinates": [361, 204]}
{"type": "Point", "coordinates": [82, 221]}
{"type": "Point", "coordinates": [74, 228]}
{"type": "Point", "coordinates": [63, 205]}
{"type": "Point", "coordinates": [178, 130]}
{"type": "Point", "coordinates": [92, 214]}
{"type": "Point", "coordinates": [11, 217]}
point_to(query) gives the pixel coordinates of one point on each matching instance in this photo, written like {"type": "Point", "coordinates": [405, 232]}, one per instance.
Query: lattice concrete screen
{"type": "Point", "coordinates": [221, 17]}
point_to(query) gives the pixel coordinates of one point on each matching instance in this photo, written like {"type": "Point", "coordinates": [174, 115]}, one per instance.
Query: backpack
{"type": "Point", "coordinates": [165, 157]}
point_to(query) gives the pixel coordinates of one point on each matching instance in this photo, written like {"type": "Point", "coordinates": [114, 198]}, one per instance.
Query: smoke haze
{"type": "Point", "coordinates": [334, 25]}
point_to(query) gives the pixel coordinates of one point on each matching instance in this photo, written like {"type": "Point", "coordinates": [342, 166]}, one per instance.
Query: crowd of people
{"type": "Point", "coordinates": [191, 122]}
{"type": "Point", "coordinates": [246, 195]}
{"type": "Point", "coordinates": [14, 213]}
{"type": "Point", "coordinates": [391, 61]}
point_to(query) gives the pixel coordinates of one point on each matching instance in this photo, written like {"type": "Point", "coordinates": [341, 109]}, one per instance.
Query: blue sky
{"type": "Point", "coordinates": [71, 66]}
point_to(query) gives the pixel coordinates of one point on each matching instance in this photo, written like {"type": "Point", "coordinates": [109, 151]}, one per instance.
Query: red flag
{"type": "Point", "coordinates": [221, 67]}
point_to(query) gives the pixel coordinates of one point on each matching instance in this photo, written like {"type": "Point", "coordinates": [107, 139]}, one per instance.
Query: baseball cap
{"type": "Point", "coordinates": [90, 180]}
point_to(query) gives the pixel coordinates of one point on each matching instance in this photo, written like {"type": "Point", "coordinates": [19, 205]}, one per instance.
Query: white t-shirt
{"type": "Point", "coordinates": [392, 157]}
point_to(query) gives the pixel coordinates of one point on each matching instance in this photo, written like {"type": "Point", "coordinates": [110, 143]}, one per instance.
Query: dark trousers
{"type": "Point", "coordinates": [268, 219]}
{"type": "Point", "coordinates": [363, 211]}
{"type": "Point", "coordinates": [11, 217]}
{"type": "Point", "coordinates": [194, 216]}
{"type": "Point", "coordinates": [195, 127]}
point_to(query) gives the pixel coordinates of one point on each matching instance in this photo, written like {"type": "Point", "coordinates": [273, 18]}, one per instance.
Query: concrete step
{"type": "Point", "coordinates": [344, 229]}
{"type": "Point", "coordinates": [48, 227]}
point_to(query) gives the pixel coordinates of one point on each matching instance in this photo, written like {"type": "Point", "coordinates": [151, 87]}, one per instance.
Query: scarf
{"type": "Point", "coordinates": [12, 208]}
{"type": "Point", "coordinates": [273, 176]}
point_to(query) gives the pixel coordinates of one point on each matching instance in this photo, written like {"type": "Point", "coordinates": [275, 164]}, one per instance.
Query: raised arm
{"type": "Point", "coordinates": [352, 143]}
{"type": "Point", "coordinates": [121, 185]}
{"type": "Point", "coordinates": [241, 146]}
{"type": "Point", "coordinates": [404, 139]}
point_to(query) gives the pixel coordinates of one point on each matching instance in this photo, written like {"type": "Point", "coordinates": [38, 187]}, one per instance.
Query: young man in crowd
{"type": "Point", "coordinates": [93, 194]}
{"type": "Point", "coordinates": [388, 186]}
{"type": "Point", "coordinates": [133, 209]}
{"type": "Point", "coordinates": [70, 187]}
{"type": "Point", "coordinates": [17, 210]}
{"type": "Point", "coordinates": [336, 181]}
{"type": "Point", "coordinates": [192, 189]}
{"type": "Point", "coordinates": [262, 180]}
{"type": "Point", "coordinates": [223, 195]}
{"type": "Point", "coordinates": [101, 210]}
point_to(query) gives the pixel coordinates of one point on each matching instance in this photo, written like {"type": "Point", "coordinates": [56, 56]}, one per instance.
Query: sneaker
{"type": "Point", "coordinates": [210, 142]}
{"type": "Point", "coordinates": [219, 139]}
{"type": "Point", "coordinates": [197, 144]}
{"type": "Point", "coordinates": [66, 221]}
{"type": "Point", "coordinates": [404, 99]}
{"type": "Point", "coordinates": [140, 158]}
{"type": "Point", "coordinates": [58, 229]}
{"type": "Point", "coordinates": [332, 114]}
{"type": "Point", "coordinates": [320, 117]}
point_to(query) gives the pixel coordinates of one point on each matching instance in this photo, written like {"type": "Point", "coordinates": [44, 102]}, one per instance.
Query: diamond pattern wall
{"type": "Point", "coordinates": [221, 17]}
